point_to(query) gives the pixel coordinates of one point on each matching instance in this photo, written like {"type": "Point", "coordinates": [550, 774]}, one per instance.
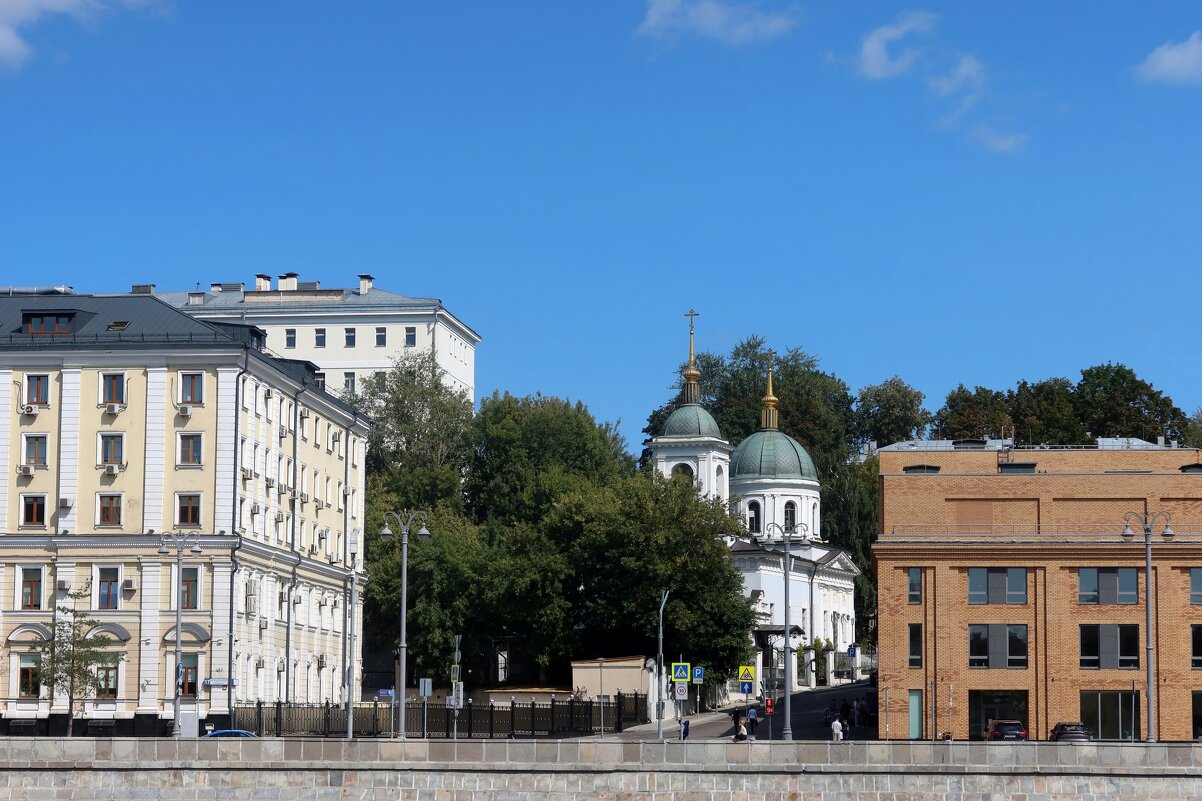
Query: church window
{"type": "Point", "coordinates": [790, 516]}
{"type": "Point", "coordinates": [718, 486]}
{"type": "Point", "coordinates": [753, 517]}
{"type": "Point", "coordinates": [682, 470]}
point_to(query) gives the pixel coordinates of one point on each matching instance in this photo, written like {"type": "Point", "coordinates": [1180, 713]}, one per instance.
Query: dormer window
{"type": "Point", "coordinates": [51, 323]}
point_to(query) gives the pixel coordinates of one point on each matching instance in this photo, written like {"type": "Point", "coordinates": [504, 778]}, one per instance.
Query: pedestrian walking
{"type": "Point", "coordinates": [846, 727]}
{"type": "Point", "coordinates": [836, 730]}
{"type": "Point", "coordinates": [753, 718]}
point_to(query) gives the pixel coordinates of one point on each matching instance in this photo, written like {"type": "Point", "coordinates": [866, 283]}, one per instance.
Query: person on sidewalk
{"type": "Point", "coordinates": [836, 730]}
{"type": "Point", "coordinates": [753, 717]}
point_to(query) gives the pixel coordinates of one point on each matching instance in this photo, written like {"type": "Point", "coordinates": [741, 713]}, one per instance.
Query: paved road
{"type": "Point", "coordinates": [809, 709]}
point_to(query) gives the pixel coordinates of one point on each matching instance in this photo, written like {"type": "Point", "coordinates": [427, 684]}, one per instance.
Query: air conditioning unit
{"type": "Point", "coordinates": [346, 492]}
{"type": "Point", "coordinates": [112, 469]}
{"type": "Point", "coordinates": [321, 661]}
{"type": "Point", "coordinates": [296, 599]}
{"type": "Point", "coordinates": [320, 503]}
{"type": "Point", "coordinates": [30, 409]}
{"type": "Point", "coordinates": [113, 408]}
{"type": "Point", "coordinates": [282, 489]}
{"type": "Point", "coordinates": [283, 596]}
{"type": "Point", "coordinates": [304, 414]}
{"type": "Point", "coordinates": [129, 585]}
{"type": "Point", "coordinates": [338, 436]}
{"type": "Point", "coordinates": [65, 503]}
{"type": "Point", "coordinates": [304, 497]}
{"type": "Point", "coordinates": [25, 470]}
{"type": "Point", "coordinates": [266, 393]}
{"type": "Point", "coordinates": [247, 473]}
{"type": "Point", "coordinates": [279, 517]}
{"type": "Point", "coordinates": [64, 584]}
{"type": "Point", "coordinates": [270, 482]}
{"type": "Point", "coordinates": [313, 548]}
{"type": "Point", "coordinates": [321, 534]}
{"type": "Point", "coordinates": [255, 509]}
{"type": "Point", "coordinates": [262, 627]}
{"type": "Point", "coordinates": [323, 601]}
{"type": "Point", "coordinates": [185, 411]}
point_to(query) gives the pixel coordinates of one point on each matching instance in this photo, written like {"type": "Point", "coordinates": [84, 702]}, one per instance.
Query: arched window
{"type": "Point", "coordinates": [753, 517]}
{"type": "Point", "coordinates": [682, 470]}
{"type": "Point", "coordinates": [790, 516]}
{"type": "Point", "coordinates": [718, 485]}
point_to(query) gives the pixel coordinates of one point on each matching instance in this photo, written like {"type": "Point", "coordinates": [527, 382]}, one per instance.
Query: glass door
{"type": "Point", "coordinates": [915, 714]}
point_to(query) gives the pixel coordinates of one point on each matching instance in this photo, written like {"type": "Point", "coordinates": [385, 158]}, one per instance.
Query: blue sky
{"type": "Point", "coordinates": [949, 192]}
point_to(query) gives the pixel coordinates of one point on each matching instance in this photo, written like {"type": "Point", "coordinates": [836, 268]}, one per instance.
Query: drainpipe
{"type": "Point", "coordinates": [292, 542]}
{"type": "Point", "coordinates": [348, 634]}
{"type": "Point", "coordinates": [229, 672]}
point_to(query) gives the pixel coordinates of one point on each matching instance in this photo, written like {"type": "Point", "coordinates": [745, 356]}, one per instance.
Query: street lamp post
{"type": "Point", "coordinates": [178, 540]}
{"type": "Point", "coordinates": [350, 647]}
{"type": "Point", "coordinates": [787, 561]}
{"type": "Point", "coordinates": [660, 689]}
{"type": "Point", "coordinates": [404, 519]}
{"type": "Point", "coordinates": [1146, 520]}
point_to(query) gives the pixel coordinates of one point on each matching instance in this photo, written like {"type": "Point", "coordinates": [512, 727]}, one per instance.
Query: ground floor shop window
{"type": "Point", "coordinates": [1113, 714]}
{"type": "Point", "coordinates": [987, 705]}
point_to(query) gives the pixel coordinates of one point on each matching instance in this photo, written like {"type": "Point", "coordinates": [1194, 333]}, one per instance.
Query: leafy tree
{"type": "Point", "coordinates": [1044, 413]}
{"type": "Point", "coordinates": [978, 414]}
{"type": "Point", "coordinates": [850, 495]}
{"type": "Point", "coordinates": [1111, 401]}
{"type": "Point", "coordinates": [890, 412]}
{"type": "Point", "coordinates": [68, 661]}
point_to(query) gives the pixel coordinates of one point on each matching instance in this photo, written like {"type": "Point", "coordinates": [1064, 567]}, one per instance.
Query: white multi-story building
{"type": "Point", "coordinates": [348, 333]}
{"type": "Point", "coordinates": [122, 418]}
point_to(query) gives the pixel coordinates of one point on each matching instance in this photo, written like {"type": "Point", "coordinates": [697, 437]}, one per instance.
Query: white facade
{"type": "Point", "coordinates": [348, 333]}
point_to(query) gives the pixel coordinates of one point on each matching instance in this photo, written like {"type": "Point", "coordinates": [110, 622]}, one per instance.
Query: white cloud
{"type": "Point", "coordinates": [1174, 63]}
{"type": "Point", "coordinates": [999, 142]}
{"type": "Point", "coordinates": [875, 61]}
{"type": "Point", "coordinates": [18, 14]}
{"type": "Point", "coordinates": [731, 23]}
{"type": "Point", "coordinates": [966, 80]}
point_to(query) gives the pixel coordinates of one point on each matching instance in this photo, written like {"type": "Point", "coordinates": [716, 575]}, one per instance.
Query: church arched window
{"type": "Point", "coordinates": [753, 517]}
{"type": "Point", "coordinates": [682, 469]}
{"type": "Point", "coordinates": [718, 485]}
{"type": "Point", "coordinates": [790, 516]}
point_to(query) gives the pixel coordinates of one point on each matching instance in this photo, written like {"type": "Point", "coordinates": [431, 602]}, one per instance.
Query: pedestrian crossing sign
{"type": "Point", "coordinates": [746, 673]}
{"type": "Point", "coordinates": [680, 671]}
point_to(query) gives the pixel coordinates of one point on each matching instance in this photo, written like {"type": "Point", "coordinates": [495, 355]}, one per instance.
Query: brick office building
{"type": "Point", "coordinates": [1007, 591]}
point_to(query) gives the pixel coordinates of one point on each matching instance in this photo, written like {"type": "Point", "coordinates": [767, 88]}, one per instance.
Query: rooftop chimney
{"type": "Point", "coordinates": [288, 282]}
{"type": "Point", "coordinates": [215, 286]}
{"type": "Point", "coordinates": [263, 283]}
{"type": "Point", "coordinates": [142, 289]}
{"type": "Point", "coordinates": [365, 282]}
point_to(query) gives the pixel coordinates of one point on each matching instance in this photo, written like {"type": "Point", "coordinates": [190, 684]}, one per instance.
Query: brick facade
{"type": "Point", "coordinates": [1066, 515]}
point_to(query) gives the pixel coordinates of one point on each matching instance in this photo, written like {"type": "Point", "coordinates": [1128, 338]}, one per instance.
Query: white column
{"type": "Point", "coordinates": [150, 639]}
{"type": "Point", "coordinates": [7, 468]}
{"type": "Point", "coordinates": [156, 449]}
{"type": "Point", "coordinates": [68, 450]}
{"type": "Point", "coordinates": [225, 509]}
{"type": "Point", "coordinates": [219, 698]}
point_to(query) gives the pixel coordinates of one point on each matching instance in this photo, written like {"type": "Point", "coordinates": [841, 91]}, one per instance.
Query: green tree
{"type": "Point", "coordinates": [69, 660]}
{"type": "Point", "coordinates": [851, 494]}
{"type": "Point", "coordinates": [1112, 401]}
{"type": "Point", "coordinates": [1044, 413]}
{"type": "Point", "coordinates": [977, 414]}
{"type": "Point", "coordinates": [890, 412]}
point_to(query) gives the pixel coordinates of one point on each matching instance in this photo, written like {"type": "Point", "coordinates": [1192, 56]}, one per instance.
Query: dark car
{"type": "Point", "coordinates": [1070, 733]}
{"type": "Point", "coordinates": [228, 733]}
{"type": "Point", "coordinates": [1005, 730]}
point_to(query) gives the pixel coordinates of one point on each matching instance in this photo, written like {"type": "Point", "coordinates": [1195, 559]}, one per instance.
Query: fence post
{"type": "Point", "coordinates": [491, 708]}
{"type": "Point", "coordinates": [446, 722]}
{"type": "Point", "coordinates": [469, 718]}
{"type": "Point", "coordinates": [259, 718]}
{"type": "Point", "coordinates": [279, 718]}
{"type": "Point", "coordinates": [618, 709]}
{"type": "Point", "coordinates": [590, 717]}
{"type": "Point", "coordinates": [551, 725]}
{"type": "Point", "coordinates": [325, 723]}
{"type": "Point", "coordinates": [513, 718]}
{"type": "Point", "coordinates": [375, 717]}
{"type": "Point", "coordinates": [572, 714]}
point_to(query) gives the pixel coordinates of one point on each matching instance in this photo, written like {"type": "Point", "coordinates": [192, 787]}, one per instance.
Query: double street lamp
{"type": "Point", "coordinates": [404, 520]}
{"type": "Point", "coordinates": [179, 541]}
{"type": "Point", "coordinates": [1146, 521]}
{"type": "Point", "coordinates": [786, 534]}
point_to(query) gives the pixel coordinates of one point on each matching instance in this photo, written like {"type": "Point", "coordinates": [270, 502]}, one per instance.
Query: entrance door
{"type": "Point", "coordinates": [915, 714]}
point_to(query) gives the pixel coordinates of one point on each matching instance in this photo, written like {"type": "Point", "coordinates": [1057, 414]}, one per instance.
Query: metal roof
{"type": "Point", "coordinates": [98, 319]}
{"type": "Point", "coordinates": [297, 299]}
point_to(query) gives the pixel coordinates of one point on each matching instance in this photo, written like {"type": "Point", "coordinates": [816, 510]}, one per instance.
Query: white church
{"type": "Point", "coordinates": [776, 488]}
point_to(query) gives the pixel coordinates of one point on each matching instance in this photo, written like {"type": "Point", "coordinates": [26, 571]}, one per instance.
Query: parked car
{"type": "Point", "coordinates": [1005, 730]}
{"type": "Point", "coordinates": [1066, 732]}
{"type": "Point", "coordinates": [228, 733]}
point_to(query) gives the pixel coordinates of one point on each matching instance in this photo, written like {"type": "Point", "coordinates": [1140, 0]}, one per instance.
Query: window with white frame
{"type": "Point", "coordinates": [191, 665]}
{"type": "Point", "coordinates": [108, 509]}
{"type": "Point", "coordinates": [188, 451]}
{"type": "Point", "coordinates": [381, 336]}
{"type": "Point", "coordinates": [189, 588]}
{"type": "Point", "coordinates": [112, 387]}
{"type": "Point", "coordinates": [33, 511]}
{"type": "Point", "coordinates": [34, 447]}
{"type": "Point", "coordinates": [187, 509]}
{"type": "Point", "coordinates": [108, 587]}
{"type": "Point", "coordinates": [112, 448]}
{"type": "Point", "coordinates": [106, 678]}
{"type": "Point", "coordinates": [191, 388]}
{"type": "Point", "coordinates": [29, 593]}
{"type": "Point", "coordinates": [410, 336]}
{"type": "Point", "coordinates": [37, 389]}
{"type": "Point", "coordinates": [28, 683]}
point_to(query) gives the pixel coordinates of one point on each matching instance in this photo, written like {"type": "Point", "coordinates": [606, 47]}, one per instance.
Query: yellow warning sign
{"type": "Point", "coordinates": [747, 673]}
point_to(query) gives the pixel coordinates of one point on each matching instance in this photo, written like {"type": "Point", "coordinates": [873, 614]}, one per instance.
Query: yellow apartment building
{"type": "Point", "coordinates": [124, 421]}
{"type": "Point", "coordinates": [1007, 590]}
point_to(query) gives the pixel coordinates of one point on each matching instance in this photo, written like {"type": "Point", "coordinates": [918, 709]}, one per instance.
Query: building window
{"type": "Point", "coordinates": [28, 685]}
{"type": "Point", "coordinates": [753, 517]}
{"type": "Point", "coordinates": [350, 337]}
{"type": "Point", "coordinates": [190, 450]}
{"type": "Point", "coordinates": [320, 380]}
{"type": "Point", "coordinates": [997, 585]}
{"type": "Point", "coordinates": [1111, 715]}
{"type": "Point", "coordinates": [35, 450]}
{"type": "Point", "coordinates": [187, 679]}
{"type": "Point", "coordinates": [381, 336]}
{"type": "Point", "coordinates": [1195, 585]}
{"type": "Point", "coordinates": [1109, 647]}
{"type": "Point", "coordinates": [914, 592]}
{"type": "Point", "coordinates": [188, 512]}
{"type": "Point", "coordinates": [978, 646]}
{"type": "Point", "coordinates": [112, 448]}
{"type": "Point", "coordinates": [110, 511]}
{"type": "Point", "coordinates": [106, 680]}
{"type": "Point", "coordinates": [108, 580]}
{"type": "Point", "coordinates": [920, 469]}
{"type": "Point", "coordinates": [191, 388]}
{"type": "Point", "coordinates": [319, 338]}
{"type": "Point", "coordinates": [1196, 632]}
{"type": "Point", "coordinates": [997, 645]}
{"type": "Point", "coordinates": [348, 382]}
{"type": "Point", "coordinates": [410, 336]}
{"type": "Point", "coordinates": [1107, 585]}
{"type": "Point", "coordinates": [915, 645]}
{"type": "Point", "coordinates": [31, 588]}
{"type": "Point", "coordinates": [33, 511]}
{"type": "Point", "coordinates": [289, 337]}
{"type": "Point", "coordinates": [189, 588]}
{"type": "Point", "coordinates": [37, 390]}
{"type": "Point", "coordinates": [48, 323]}
{"type": "Point", "coordinates": [790, 516]}
{"type": "Point", "coordinates": [112, 387]}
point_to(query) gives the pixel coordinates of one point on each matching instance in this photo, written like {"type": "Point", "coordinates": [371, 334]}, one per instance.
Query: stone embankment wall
{"type": "Point", "coordinates": [300, 770]}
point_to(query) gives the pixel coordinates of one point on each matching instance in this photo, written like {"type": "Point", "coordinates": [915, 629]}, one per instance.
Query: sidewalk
{"type": "Point", "coordinates": [704, 721]}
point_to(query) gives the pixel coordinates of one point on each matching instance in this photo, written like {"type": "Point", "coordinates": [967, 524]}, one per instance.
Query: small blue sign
{"type": "Point", "coordinates": [851, 651]}
{"type": "Point", "coordinates": [698, 674]}
{"type": "Point", "coordinates": [745, 687]}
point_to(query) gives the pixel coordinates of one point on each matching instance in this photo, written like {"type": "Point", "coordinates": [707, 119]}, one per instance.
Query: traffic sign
{"type": "Point", "coordinates": [425, 687]}
{"type": "Point", "coordinates": [746, 673]}
{"type": "Point", "coordinates": [682, 691]}
{"type": "Point", "coordinates": [851, 651]}
{"type": "Point", "coordinates": [698, 675]}
{"type": "Point", "coordinates": [454, 673]}
{"type": "Point", "coordinates": [680, 671]}
{"type": "Point", "coordinates": [745, 687]}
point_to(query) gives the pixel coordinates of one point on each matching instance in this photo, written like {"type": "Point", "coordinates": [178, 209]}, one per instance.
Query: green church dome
{"type": "Point", "coordinates": [771, 453]}
{"type": "Point", "coordinates": [691, 420]}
